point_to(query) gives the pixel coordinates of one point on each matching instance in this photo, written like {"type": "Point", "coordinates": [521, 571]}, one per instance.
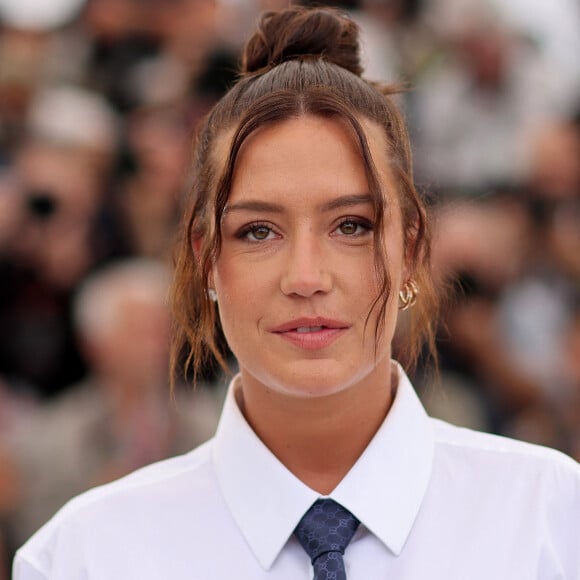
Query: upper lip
{"type": "Point", "coordinates": [309, 323]}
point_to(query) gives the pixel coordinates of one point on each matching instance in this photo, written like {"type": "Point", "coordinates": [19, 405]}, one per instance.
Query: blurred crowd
{"type": "Point", "coordinates": [98, 104]}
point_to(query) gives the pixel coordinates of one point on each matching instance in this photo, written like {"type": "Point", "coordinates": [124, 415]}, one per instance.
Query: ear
{"type": "Point", "coordinates": [196, 245]}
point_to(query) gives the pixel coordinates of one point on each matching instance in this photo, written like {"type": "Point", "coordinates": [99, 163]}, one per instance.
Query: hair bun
{"type": "Point", "coordinates": [301, 32]}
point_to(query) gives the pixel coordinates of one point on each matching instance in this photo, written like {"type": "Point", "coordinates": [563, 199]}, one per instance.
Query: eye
{"type": "Point", "coordinates": [260, 232]}
{"type": "Point", "coordinates": [353, 227]}
{"type": "Point", "coordinates": [256, 232]}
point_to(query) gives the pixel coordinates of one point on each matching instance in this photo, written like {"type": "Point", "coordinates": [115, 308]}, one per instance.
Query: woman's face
{"type": "Point", "coordinates": [296, 278]}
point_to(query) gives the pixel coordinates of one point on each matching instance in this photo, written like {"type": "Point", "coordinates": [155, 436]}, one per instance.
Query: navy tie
{"type": "Point", "coordinates": [324, 532]}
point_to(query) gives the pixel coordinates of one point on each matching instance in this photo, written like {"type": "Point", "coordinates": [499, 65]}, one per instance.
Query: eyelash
{"type": "Point", "coordinates": [361, 224]}
{"type": "Point", "coordinates": [244, 233]}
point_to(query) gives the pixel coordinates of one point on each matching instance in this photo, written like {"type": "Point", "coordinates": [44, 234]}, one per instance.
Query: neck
{"type": "Point", "coordinates": [319, 439]}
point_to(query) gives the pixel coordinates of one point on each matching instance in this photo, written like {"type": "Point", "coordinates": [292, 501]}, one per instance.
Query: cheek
{"type": "Point", "coordinates": [234, 281]}
{"type": "Point", "coordinates": [241, 291]}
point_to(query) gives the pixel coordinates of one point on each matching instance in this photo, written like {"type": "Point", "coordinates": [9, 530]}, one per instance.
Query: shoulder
{"type": "Point", "coordinates": [518, 489]}
{"type": "Point", "coordinates": [144, 482]}
{"type": "Point", "coordinates": [495, 464]}
{"type": "Point", "coordinates": [129, 505]}
{"type": "Point", "coordinates": [462, 440]}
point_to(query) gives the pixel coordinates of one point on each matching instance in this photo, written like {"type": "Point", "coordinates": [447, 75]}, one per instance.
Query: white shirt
{"type": "Point", "coordinates": [435, 501]}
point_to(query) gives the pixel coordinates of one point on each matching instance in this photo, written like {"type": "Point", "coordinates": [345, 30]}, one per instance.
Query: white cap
{"type": "Point", "coordinates": [39, 14]}
{"type": "Point", "coordinates": [73, 116]}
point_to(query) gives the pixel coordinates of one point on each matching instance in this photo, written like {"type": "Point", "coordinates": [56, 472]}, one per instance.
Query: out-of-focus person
{"type": "Point", "coordinates": [480, 99]}
{"type": "Point", "coordinates": [510, 332]}
{"type": "Point", "coordinates": [146, 204]}
{"type": "Point", "coordinates": [470, 238]}
{"type": "Point", "coordinates": [121, 416]}
{"type": "Point", "coordinates": [51, 235]}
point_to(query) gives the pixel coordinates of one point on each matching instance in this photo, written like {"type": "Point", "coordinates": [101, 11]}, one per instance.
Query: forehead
{"type": "Point", "coordinates": [310, 154]}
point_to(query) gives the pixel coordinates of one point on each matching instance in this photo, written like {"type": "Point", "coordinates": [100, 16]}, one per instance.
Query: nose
{"type": "Point", "coordinates": [306, 268]}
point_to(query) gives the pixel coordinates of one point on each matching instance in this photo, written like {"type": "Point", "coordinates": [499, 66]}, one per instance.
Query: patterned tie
{"type": "Point", "coordinates": [324, 532]}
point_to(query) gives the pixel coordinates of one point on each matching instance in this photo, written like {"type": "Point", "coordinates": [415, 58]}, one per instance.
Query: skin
{"type": "Point", "coordinates": [298, 244]}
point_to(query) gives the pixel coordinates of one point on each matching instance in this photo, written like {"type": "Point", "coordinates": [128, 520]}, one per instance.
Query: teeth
{"type": "Point", "coordinates": [303, 329]}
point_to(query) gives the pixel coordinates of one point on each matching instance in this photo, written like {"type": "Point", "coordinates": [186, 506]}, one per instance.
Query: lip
{"type": "Point", "coordinates": [330, 331]}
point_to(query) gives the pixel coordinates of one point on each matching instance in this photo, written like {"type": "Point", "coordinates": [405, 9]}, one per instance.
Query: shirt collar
{"type": "Point", "coordinates": [384, 489]}
{"type": "Point", "coordinates": [386, 486]}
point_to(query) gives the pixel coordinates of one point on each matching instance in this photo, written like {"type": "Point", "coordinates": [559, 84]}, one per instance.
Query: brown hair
{"type": "Point", "coordinates": [300, 61]}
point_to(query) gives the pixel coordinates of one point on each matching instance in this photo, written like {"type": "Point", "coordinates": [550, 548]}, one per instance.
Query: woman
{"type": "Point", "coordinates": [306, 238]}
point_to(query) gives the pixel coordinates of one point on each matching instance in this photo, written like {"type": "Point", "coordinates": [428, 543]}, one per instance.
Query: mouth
{"type": "Point", "coordinates": [305, 329]}
{"type": "Point", "coordinates": [305, 325]}
{"type": "Point", "coordinates": [311, 333]}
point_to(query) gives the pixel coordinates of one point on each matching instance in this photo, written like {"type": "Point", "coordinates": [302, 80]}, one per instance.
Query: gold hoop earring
{"type": "Point", "coordinates": [408, 295]}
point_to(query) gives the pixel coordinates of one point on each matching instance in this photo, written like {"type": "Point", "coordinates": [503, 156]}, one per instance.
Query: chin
{"type": "Point", "coordinates": [315, 379]}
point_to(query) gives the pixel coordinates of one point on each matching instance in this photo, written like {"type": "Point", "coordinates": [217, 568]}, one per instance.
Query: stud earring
{"type": "Point", "coordinates": [212, 294]}
{"type": "Point", "coordinates": [408, 295]}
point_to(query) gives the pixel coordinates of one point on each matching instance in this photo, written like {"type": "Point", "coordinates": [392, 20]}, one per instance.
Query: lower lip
{"type": "Point", "coordinates": [312, 340]}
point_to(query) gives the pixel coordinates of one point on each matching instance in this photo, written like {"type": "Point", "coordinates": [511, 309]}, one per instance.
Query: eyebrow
{"type": "Point", "coordinates": [268, 207]}
{"type": "Point", "coordinates": [253, 205]}
{"type": "Point", "coordinates": [348, 201]}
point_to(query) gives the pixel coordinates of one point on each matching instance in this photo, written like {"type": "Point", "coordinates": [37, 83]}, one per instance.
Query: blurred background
{"type": "Point", "coordinates": [98, 103]}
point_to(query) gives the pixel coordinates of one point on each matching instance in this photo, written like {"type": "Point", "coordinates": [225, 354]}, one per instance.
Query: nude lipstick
{"type": "Point", "coordinates": [311, 333]}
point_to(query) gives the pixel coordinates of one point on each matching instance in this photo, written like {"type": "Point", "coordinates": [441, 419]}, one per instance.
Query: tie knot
{"type": "Point", "coordinates": [325, 527]}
